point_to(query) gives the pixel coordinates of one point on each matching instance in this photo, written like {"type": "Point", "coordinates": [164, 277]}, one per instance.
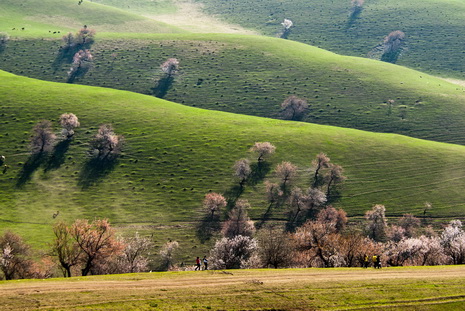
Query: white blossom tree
{"type": "Point", "coordinates": [233, 253]}
{"type": "Point", "coordinates": [106, 144]}
{"type": "Point", "coordinates": [263, 150]}
{"type": "Point", "coordinates": [69, 122]}
{"type": "Point", "coordinates": [214, 202]}
{"type": "Point", "coordinates": [377, 224]}
{"type": "Point", "coordinates": [242, 171]}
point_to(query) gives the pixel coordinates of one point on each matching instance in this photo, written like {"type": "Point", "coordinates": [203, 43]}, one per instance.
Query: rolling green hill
{"type": "Point", "coordinates": [434, 28]}
{"type": "Point", "coordinates": [175, 154]}
{"type": "Point", "coordinates": [54, 18]}
{"type": "Point", "coordinates": [253, 75]}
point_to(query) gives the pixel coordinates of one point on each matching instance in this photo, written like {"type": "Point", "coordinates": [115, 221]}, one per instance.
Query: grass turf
{"type": "Point", "coordinates": [418, 288]}
{"type": "Point", "coordinates": [253, 75]}
{"type": "Point", "coordinates": [55, 18]}
{"type": "Point", "coordinates": [433, 27]}
{"type": "Point", "coordinates": [175, 154]}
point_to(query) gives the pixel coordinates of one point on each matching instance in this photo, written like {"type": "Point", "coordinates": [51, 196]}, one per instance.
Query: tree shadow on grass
{"type": "Point", "coordinates": [32, 164]}
{"type": "Point", "coordinates": [207, 227]}
{"type": "Point", "coordinates": [162, 86]}
{"type": "Point", "coordinates": [232, 195]}
{"type": "Point", "coordinates": [95, 170]}
{"type": "Point", "coordinates": [354, 15]}
{"type": "Point", "coordinates": [64, 56]}
{"type": "Point", "coordinates": [259, 172]}
{"type": "Point", "coordinates": [57, 158]}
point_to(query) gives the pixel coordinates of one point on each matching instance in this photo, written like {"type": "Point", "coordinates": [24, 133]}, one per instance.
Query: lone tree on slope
{"type": "Point", "coordinates": [293, 108]}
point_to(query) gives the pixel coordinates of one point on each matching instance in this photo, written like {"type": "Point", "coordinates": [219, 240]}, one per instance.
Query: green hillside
{"type": "Point", "coordinates": [253, 75]}
{"type": "Point", "coordinates": [175, 154]}
{"type": "Point", "coordinates": [434, 28]}
{"type": "Point", "coordinates": [54, 18]}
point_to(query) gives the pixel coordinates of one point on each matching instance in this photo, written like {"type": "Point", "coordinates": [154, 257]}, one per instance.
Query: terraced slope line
{"type": "Point", "coordinates": [253, 75]}
{"type": "Point", "coordinates": [175, 154]}
{"type": "Point", "coordinates": [54, 18]}
{"type": "Point", "coordinates": [433, 28]}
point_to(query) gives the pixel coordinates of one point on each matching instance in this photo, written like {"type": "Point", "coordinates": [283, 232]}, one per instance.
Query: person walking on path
{"type": "Point", "coordinates": [205, 263]}
{"type": "Point", "coordinates": [366, 261]}
{"type": "Point", "coordinates": [197, 264]}
{"type": "Point", "coordinates": [378, 262]}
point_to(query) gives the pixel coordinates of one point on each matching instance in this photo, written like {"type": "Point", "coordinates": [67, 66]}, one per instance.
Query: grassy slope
{"type": "Point", "coordinates": [42, 18]}
{"type": "Point", "coordinates": [253, 75]}
{"type": "Point", "coordinates": [175, 154]}
{"type": "Point", "coordinates": [433, 27]}
{"type": "Point", "coordinates": [411, 288]}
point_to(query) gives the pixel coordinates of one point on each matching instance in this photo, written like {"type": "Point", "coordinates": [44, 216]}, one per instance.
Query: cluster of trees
{"type": "Point", "coordinates": [84, 247]}
{"type": "Point", "coordinates": [104, 145]}
{"type": "Point", "coordinates": [83, 39]}
{"type": "Point", "coordinates": [81, 248]}
{"type": "Point", "coordinates": [77, 46]}
{"type": "Point", "coordinates": [327, 241]}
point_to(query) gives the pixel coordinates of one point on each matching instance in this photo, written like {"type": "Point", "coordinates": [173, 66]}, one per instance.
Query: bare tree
{"type": "Point", "coordinates": [313, 240]}
{"type": "Point", "coordinates": [85, 37]}
{"type": "Point", "coordinates": [275, 247]}
{"type": "Point", "coordinates": [68, 41]}
{"type": "Point", "coordinates": [69, 122]}
{"type": "Point", "coordinates": [293, 108]}
{"type": "Point", "coordinates": [43, 137]}
{"type": "Point", "coordinates": [287, 25]}
{"type": "Point", "coordinates": [170, 67]}
{"type": "Point", "coordinates": [106, 144]}
{"type": "Point", "coordinates": [65, 248]}
{"type": "Point", "coordinates": [311, 200]}
{"type": "Point", "coordinates": [239, 222]}
{"type": "Point", "coordinates": [214, 202]}
{"type": "Point", "coordinates": [263, 150]}
{"type": "Point", "coordinates": [296, 201]}
{"type": "Point", "coordinates": [167, 253]}
{"type": "Point", "coordinates": [242, 171]}
{"type": "Point", "coordinates": [286, 171]}
{"type": "Point", "coordinates": [273, 192]}
{"type": "Point", "coordinates": [392, 46]}
{"type": "Point", "coordinates": [96, 240]}
{"type": "Point", "coordinates": [377, 224]}
{"type": "Point", "coordinates": [321, 162]}
{"type": "Point", "coordinates": [335, 176]}
{"type": "Point", "coordinates": [330, 215]}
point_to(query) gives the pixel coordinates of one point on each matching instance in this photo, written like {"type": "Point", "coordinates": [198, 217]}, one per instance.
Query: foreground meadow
{"type": "Point", "coordinates": [413, 288]}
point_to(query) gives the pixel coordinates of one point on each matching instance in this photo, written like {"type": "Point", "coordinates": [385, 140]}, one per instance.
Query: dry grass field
{"type": "Point", "coordinates": [413, 288]}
